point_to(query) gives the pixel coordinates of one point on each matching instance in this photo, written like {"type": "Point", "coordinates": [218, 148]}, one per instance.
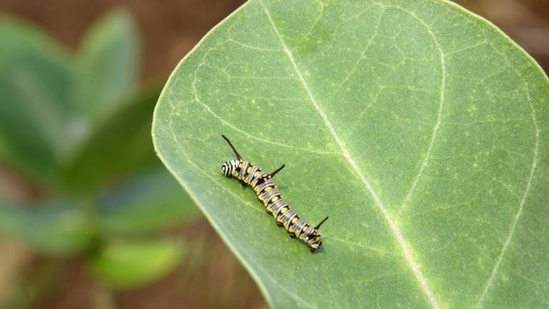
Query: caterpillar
{"type": "Point", "coordinates": [267, 192]}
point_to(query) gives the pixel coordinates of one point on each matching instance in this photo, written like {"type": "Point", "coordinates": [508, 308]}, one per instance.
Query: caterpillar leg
{"type": "Point", "coordinates": [277, 170]}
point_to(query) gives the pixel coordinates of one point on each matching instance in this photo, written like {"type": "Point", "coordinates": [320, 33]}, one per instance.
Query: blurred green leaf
{"type": "Point", "coordinates": [108, 64]}
{"type": "Point", "coordinates": [419, 128]}
{"type": "Point", "coordinates": [133, 263]}
{"type": "Point", "coordinates": [36, 81]}
{"type": "Point", "coordinates": [118, 146]}
{"type": "Point", "coordinates": [146, 203]}
{"type": "Point", "coordinates": [76, 128]}
{"type": "Point", "coordinates": [57, 227]}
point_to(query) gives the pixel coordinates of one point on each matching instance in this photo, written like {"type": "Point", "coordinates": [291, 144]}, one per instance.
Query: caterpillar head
{"type": "Point", "coordinates": [313, 237]}
{"type": "Point", "coordinates": [313, 240]}
{"type": "Point", "coordinates": [226, 168]}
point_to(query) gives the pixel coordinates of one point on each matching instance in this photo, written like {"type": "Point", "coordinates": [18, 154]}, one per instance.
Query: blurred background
{"type": "Point", "coordinates": [88, 216]}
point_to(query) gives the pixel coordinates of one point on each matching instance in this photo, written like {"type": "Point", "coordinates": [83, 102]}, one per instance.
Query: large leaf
{"type": "Point", "coordinates": [419, 128]}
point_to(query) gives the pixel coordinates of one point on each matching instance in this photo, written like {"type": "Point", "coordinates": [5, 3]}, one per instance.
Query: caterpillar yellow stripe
{"type": "Point", "coordinates": [267, 192]}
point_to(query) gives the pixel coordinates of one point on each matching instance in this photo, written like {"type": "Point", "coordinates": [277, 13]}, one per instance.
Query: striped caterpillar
{"type": "Point", "coordinates": [267, 192]}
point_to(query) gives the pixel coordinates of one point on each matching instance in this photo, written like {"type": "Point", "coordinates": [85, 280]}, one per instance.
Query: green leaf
{"type": "Point", "coordinates": [36, 82]}
{"type": "Point", "coordinates": [145, 203]}
{"type": "Point", "coordinates": [419, 128]}
{"type": "Point", "coordinates": [133, 263]}
{"type": "Point", "coordinates": [59, 227]}
{"type": "Point", "coordinates": [118, 145]}
{"type": "Point", "coordinates": [108, 64]}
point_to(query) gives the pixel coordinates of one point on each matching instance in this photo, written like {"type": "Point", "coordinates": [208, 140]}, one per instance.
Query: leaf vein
{"type": "Point", "coordinates": [393, 225]}
{"type": "Point", "coordinates": [514, 224]}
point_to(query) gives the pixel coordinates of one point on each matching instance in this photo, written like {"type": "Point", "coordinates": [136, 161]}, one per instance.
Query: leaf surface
{"type": "Point", "coordinates": [419, 128]}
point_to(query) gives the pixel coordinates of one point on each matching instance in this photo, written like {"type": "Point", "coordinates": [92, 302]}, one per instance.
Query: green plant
{"type": "Point", "coordinates": [75, 130]}
{"type": "Point", "coordinates": [418, 127]}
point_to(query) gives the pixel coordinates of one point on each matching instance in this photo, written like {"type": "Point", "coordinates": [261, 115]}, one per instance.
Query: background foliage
{"type": "Point", "coordinates": [73, 129]}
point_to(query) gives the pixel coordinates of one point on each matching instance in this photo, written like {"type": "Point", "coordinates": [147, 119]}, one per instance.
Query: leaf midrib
{"type": "Point", "coordinates": [409, 259]}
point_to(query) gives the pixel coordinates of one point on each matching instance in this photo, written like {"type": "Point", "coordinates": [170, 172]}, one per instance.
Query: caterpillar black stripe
{"type": "Point", "coordinates": [267, 192]}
